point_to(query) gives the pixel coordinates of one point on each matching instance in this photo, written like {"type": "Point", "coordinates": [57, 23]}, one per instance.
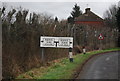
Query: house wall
{"type": "Point", "coordinates": [90, 23]}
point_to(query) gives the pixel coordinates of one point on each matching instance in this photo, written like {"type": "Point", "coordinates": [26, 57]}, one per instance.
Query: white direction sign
{"type": "Point", "coordinates": [59, 42]}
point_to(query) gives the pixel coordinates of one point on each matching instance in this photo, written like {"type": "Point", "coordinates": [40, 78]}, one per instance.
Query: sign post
{"type": "Point", "coordinates": [100, 37]}
{"type": "Point", "coordinates": [42, 55]}
{"type": "Point", "coordinates": [55, 42]}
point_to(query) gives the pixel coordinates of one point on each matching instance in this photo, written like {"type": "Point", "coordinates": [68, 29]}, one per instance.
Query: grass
{"type": "Point", "coordinates": [61, 68]}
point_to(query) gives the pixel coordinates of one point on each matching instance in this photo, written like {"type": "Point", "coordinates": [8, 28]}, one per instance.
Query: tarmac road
{"type": "Point", "coordinates": [104, 66]}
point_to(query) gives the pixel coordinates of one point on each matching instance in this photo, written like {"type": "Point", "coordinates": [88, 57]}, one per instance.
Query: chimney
{"type": "Point", "coordinates": [87, 10]}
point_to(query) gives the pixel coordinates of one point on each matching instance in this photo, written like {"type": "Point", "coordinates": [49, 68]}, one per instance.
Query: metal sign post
{"type": "Point", "coordinates": [42, 52]}
{"type": "Point", "coordinates": [100, 37]}
{"type": "Point", "coordinates": [55, 42]}
{"type": "Point", "coordinates": [100, 48]}
{"type": "Point", "coordinates": [42, 55]}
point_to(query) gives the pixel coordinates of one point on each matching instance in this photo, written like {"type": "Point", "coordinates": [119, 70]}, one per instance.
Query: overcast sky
{"type": "Point", "coordinates": [62, 9]}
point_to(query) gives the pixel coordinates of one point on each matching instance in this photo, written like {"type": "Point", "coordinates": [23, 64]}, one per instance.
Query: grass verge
{"type": "Point", "coordinates": [61, 68]}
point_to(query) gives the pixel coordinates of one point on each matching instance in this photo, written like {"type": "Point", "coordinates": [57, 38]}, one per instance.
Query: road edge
{"type": "Point", "coordinates": [79, 68]}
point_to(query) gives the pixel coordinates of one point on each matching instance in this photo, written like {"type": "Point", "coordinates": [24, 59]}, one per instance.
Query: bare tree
{"type": "Point", "coordinates": [109, 15]}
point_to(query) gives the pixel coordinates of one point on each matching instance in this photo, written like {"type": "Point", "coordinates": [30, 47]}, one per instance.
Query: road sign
{"type": "Point", "coordinates": [100, 37]}
{"type": "Point", "coordinates": [47, 41]}
{"type": "Point", "coordinates": [59, 42]}
{"type": "Point", "coordinates": [65, 42]}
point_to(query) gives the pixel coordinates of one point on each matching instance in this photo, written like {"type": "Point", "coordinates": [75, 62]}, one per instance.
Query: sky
{"type": "Point", "coordinates": [60, 8]}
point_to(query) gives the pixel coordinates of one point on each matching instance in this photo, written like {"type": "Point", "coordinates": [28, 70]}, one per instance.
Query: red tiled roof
{"type": "Point", "coordinates": [88, 16]}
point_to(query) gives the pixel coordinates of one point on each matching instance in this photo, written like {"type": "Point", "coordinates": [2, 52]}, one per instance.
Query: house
{"type": "Point", "coordinates": [90, 19]}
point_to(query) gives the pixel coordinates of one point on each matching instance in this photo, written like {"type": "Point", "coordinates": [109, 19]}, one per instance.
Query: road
{"type": "Point", "coordinates": [104, 66]}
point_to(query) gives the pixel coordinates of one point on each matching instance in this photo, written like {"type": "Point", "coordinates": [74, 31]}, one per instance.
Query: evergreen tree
{"type": "Point", "coordinates": [118, 25]}
{"type": "Point", "coordinates": [3, 9]}
{"type": "Point", "coordinates": [70, 20]}
{"type": "Point", "coordinates": [75, 13]}
{"type": "Point", "coordinates": [56, 19]}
